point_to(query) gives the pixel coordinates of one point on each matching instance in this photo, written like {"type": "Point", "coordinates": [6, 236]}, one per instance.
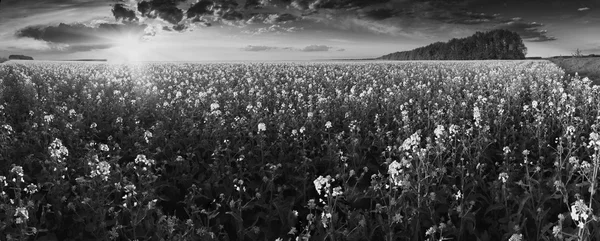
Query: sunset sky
{"type": "Point", "coordinates": [223, 30]}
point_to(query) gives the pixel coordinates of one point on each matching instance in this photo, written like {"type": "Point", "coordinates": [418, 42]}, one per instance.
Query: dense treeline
{"type": "Point", "coordinates": [20, 57]}
{"type": "Point", "coordinates": [496, 44]}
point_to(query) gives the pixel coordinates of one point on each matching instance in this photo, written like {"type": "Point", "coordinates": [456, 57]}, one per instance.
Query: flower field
{"type": "Point", "coordinates": [453, 150]}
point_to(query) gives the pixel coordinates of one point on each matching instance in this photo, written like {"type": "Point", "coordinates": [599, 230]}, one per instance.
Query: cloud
{"type": "Point", "coordinates": [344, 4]}
{"type": "Point", "coordinates": [200, 8]}
{"type": "Point", "coordinates": [255, 48]}
{"type": "Point", "coordinates": [460, 17]}
{"type": "Point", "coordinates": [251, 4]}
{"type": "Point", "coordinates": [120, 12]}
{"type": "Point", "coordinates": [273, 29]}
{"type": "Point", "coordinates": [280, 18]}
{"type": "Point", "coordinates": [166, 10]}
{"type": "Point", "coordinates": [80, 37]}
{"type": "Point", "coordinates": [583, 9]}
{"type": "Point", "coordinates": [528, 31]}
{"type": "Point", "coordinates": [310, 48]}
{"type": "Point", "coordinates": [377, 27]}
{"type": "Point", "coordinates": [316, 48]}
{"type": "Point", "coordinates": [379, 14]}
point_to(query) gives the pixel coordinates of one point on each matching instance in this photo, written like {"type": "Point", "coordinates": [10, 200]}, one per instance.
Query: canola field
{"type": "Point", "coordinates": [424, 150]}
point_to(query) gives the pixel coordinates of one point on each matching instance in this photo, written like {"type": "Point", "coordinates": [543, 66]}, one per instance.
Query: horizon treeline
{"type": "Point", "coordinates": [495, 44]}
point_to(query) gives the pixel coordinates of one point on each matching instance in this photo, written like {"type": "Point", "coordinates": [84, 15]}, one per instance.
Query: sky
{"type": "Point", "coordinates": [240, 30]}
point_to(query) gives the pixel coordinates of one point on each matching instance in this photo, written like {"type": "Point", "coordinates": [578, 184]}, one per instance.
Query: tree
{"type": "Point", "coordinates": [496, 44]}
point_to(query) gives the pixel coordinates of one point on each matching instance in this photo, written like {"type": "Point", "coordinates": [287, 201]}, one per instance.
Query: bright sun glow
{"type": "Point", "coordinates": [130, 47]}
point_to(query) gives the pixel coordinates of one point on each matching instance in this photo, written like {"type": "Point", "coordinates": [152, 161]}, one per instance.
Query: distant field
{"type": "Point", "coordinates": [584, 67]}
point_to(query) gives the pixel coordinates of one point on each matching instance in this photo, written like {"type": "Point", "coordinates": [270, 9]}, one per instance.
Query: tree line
{"type": "Point", "coordinates": [495, 44]}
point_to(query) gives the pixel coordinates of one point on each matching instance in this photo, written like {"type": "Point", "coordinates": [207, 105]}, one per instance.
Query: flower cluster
{"type": "Point", "coordinates": [57, 150]}
{"type": "Point", "coordinates": [99, 168]}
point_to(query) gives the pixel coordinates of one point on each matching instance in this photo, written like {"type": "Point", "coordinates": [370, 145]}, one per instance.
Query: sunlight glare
{"type": "Point", "coordinates": [130, 48]}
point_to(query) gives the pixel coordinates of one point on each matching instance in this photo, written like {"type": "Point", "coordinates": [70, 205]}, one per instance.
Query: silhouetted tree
{"type": "Point", "coordinates": [496, 44]}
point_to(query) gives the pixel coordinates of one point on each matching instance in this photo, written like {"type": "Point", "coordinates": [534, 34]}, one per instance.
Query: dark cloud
{"type": "Point", "coordinates": [120, 12]}
{"type": "Point", "coordinates": [179, 27]}
{"type": "Point", "coordinates": [277, 13]}
{"type": "Point", "coordinates": [232, 16]}
{"type": "Point", "coordinates": [284, 18]}
{"type": "Point", "coordinates": [380, 14]}
{"type": "Point", "coordinates": [79, 37]}
{"type": "Point", "coordinates": [164, 9]}
{"type": "Point", "coordinates": [250, 4]}
{"type": "Point", "coordinates": [200, 8]}
{"type": "Point", "coordinates": [316, 48]}
{"type": "Point", "coordinates": [339, 4]}
{"type": "Point", "coordinates": [470, 18]}
{"type": "Point", "coordinates": [528, 31]}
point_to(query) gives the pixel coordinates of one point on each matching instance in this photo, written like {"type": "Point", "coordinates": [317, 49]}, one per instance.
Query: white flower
{"type": "Point", "coordinates": [503, 177]}
{"type": "Point", "coordinates": [337, 191]}
{"type": "Point", "coordinates": [458, 195]}
{"type": "Point", "coordinates": [17, 170]}
{"type": "Point", "coordinates": [130, 189]}
{"type": "Point", "coordinates": [571, 130]}
{"type": "Point", "coordinates": [439, 131]}
{"type": "Point", "coordinates": [21, 213]}
{"type": "Point", "coordinates": [147, 136]}
{"type": "Point", "coordinates": [516, 237]}
{"type": "Point", "coordinates": [557, 231]}
{"type": "Point", "coordinates": [431, 231]}
{"type": "Point", "coordinates": [93, 125]}
{"type": "Point", "coordinates": [104, 147]}
{"type": "Point", "coordinates": [214, 106]}
{"type": "Point", "coordinates": [57, 150]}
{"type": "Point", "coordinates": [411, 142]}
{"type": "Point", "coordinates": [48, 118]}
{"type": "Point", "coordinates": [142, 158]}
{"type": "Point", "coordinates": [580, 211]}
{"type": "Point", "coordinates": [454, 129]}
{"type": "Point", "coordinates": [8, 128]}
{"type": "Point", "coordinates": [31, 188]}
{"type": "Point", "coordinates": [322, 183]}
{"type": "Point", "coordinates": [262, 127]}
{"type": "Point", "coordinates": [328, 125]}
{"type": "Point", "coordinates": [477, 116]}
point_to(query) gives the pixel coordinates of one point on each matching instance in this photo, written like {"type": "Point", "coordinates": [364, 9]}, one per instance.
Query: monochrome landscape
{"type": "Point", "coordinates": [299, 120]}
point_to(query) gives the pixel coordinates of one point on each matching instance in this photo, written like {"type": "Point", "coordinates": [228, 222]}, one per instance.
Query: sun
{"type": "Point", "coordinates": [130, 47]}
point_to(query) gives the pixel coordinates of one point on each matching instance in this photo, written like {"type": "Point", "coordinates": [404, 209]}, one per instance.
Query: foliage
{"type": "Point", "coordinates": [489, 150]}
{"type": "Point", "coordinates": [577, 54]}
{"type": "Point", "coordinates": [495, 44]}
